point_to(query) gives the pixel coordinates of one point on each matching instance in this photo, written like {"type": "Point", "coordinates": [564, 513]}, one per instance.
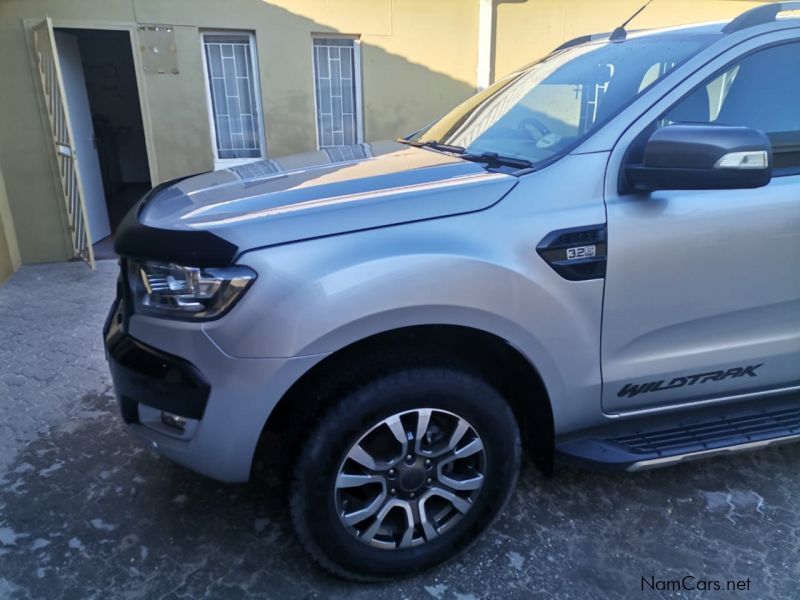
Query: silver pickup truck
{"type": "Point", "coordinates": [596, 260]}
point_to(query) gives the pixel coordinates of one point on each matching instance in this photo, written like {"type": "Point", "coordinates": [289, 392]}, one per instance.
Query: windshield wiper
{"type": "Point", "coordinates": [434, 145]}
{"type": "Point", "coordinates": [493, 158]}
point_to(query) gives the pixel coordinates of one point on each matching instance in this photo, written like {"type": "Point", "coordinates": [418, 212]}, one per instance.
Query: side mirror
{"type": "Point", "coordinates": [702, 157]}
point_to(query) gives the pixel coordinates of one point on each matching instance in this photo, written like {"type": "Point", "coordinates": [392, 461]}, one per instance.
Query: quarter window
{"type": "Point", "coordinates": [235, 111]}
{"type": "Point", "coordinates": [337, 87]}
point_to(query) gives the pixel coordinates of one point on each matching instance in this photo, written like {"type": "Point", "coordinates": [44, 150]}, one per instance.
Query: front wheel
{"type": "Point", "coordinates": [404, 472]}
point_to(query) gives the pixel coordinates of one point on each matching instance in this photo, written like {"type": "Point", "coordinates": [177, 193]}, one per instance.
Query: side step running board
{"type": "Point", "coordinates": [639, 445]}
{"type": "Point", "coordinates": [654, 463]}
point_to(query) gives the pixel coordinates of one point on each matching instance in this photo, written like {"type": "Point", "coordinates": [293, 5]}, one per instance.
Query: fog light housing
{"type": "Point", "coordinates": [173, 421]}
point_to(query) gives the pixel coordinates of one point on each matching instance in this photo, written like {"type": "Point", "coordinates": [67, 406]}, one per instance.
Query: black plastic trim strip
{"type": "Point", "coordinates": [143, 374]}
{"type": "Point", "coordinates": [190, 248]}
{"type": "Point", "coordinates": [553, 249]}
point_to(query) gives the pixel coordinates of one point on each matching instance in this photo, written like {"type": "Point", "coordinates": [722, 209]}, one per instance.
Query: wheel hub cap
{"type": "Point", "coordinates": [410, 478]}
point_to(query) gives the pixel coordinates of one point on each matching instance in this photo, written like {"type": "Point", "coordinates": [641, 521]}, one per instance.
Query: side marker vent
{"type": "Point", "coordinates": [577, 254]}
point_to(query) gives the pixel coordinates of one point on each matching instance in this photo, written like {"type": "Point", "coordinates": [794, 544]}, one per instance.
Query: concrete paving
{"type": "Point", "coordinates": [86, 512]}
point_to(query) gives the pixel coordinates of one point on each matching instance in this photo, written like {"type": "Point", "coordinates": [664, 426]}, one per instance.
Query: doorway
{"type": "Point", "coordinates": [102, 98]}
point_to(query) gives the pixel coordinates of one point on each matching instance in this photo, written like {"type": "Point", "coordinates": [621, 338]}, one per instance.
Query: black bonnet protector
{"type": "Point", "coordinates": [190, 248]}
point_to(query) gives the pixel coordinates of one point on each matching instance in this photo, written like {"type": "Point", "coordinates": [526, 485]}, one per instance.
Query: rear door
{"type": "Point", "coordinates": [702, 297]}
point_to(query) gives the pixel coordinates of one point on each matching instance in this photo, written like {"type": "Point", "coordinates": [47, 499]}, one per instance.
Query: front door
{"type": "Point", "coordinates": [702, 297]}
{"type": "Point", "coordinates": [80, 114]}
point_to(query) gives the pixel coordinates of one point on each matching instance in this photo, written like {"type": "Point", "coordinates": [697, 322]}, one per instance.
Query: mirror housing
{"type": "Point", "coordinates": [702, 157]}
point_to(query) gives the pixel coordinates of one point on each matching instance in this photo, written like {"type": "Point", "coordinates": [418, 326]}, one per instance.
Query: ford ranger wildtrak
{"type": "Point", "coordinates": [595, 260]}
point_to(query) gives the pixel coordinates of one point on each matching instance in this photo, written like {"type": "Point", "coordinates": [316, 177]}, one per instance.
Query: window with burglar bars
{"type": "Point", "coordinates": [336, 79]}
{"type": "Point", "coordinates": [233, 90]}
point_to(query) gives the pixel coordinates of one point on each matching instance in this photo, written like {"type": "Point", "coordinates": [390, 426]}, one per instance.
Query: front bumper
{"type": "Point", "coordinates": [171, 366]}
{"type": "Point", "coordinates": [143, 374]}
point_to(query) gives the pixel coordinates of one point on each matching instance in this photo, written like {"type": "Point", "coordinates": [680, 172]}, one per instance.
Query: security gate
{"type": "Point", "coordinates": [49, 69]}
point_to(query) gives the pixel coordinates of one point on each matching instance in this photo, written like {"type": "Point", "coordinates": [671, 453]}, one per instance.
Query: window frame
{"type": "Point", "coordinates": [222, 163]}
{"type": "Point", "coordinates": [357, 75]}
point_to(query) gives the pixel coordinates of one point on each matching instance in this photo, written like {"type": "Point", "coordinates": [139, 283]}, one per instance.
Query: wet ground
{"type": "Point", "coordinates": [87, 512]}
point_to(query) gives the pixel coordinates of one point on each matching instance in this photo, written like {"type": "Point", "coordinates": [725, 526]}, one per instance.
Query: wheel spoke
{"type": "Point", "coordinates": [473, 447]}
{"type": "Point", "coordinates": [423, 419]}
{"type": "Point", "coordinates": [458, 433]}
{"type": "Point", "coordinates": [372, 530]}
{"type": "Point", "coordinates": [473, 483]}
{"type": "Point", "coordinates": [428, 528]}
{"type": "Point", "coordinates": [408, 535]}
{"type": "Point", "coordinates": [362, 457]}
{"type": "Point", "coordinates": [357, 516]}
{"type": "Point", "coordinates": [345, 480]}
{"type": "Point", "coordinates": [396, 427]}
{"type": "Point", "coordinates": [458, 502]}
{"type": "Point", "coordinates": [370, 533]}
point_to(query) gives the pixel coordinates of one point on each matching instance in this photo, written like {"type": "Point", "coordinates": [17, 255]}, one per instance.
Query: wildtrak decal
{"type": "Point", "coordinates": [634, 389]}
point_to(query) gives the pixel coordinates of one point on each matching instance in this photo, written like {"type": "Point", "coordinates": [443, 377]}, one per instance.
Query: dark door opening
{"type": "Point", "coordinates": [103, 102]}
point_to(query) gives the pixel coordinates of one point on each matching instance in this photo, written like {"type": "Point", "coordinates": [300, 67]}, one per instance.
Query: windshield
{"type": "Point", "coordinates": [545, 109]}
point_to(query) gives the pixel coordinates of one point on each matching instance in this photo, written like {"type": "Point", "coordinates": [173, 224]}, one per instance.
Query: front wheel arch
{"type": "Point", "coordinates": [485, 354]}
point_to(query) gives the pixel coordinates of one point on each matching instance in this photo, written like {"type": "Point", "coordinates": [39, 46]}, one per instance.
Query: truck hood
{"type": "Point", "coordinates": [317, 194]}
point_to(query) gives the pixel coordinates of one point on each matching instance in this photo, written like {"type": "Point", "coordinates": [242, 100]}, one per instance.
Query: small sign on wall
{"type": "Point", "coordinates": [157, 47]}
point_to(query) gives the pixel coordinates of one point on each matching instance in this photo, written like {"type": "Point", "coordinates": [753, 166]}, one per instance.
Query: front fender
{"type": "Point", "coordinates": [319, 296]}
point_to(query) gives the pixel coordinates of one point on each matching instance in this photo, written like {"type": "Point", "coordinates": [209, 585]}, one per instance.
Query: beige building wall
{"type": "Point", "coordinates": [419, 59]}
{"type": "Point", "coordinates": [527, 30]}
{"type": "Point", "coordinates": [9, 254]}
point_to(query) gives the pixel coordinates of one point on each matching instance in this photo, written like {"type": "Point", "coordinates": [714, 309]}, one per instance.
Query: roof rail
{"type": "Point", "coordinates": [582, 40]}
{"type": "Point", "coordinates": [760, 15]}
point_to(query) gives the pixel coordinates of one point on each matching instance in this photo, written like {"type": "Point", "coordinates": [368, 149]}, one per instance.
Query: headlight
{"type": "Point", "coordinates": [188, 293]}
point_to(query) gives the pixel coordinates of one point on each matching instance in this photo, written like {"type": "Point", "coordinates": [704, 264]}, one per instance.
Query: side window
{"type": "Point", "coordinates": [762, 91]}
{"type": "Point", "coordinates": [337, 83]}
